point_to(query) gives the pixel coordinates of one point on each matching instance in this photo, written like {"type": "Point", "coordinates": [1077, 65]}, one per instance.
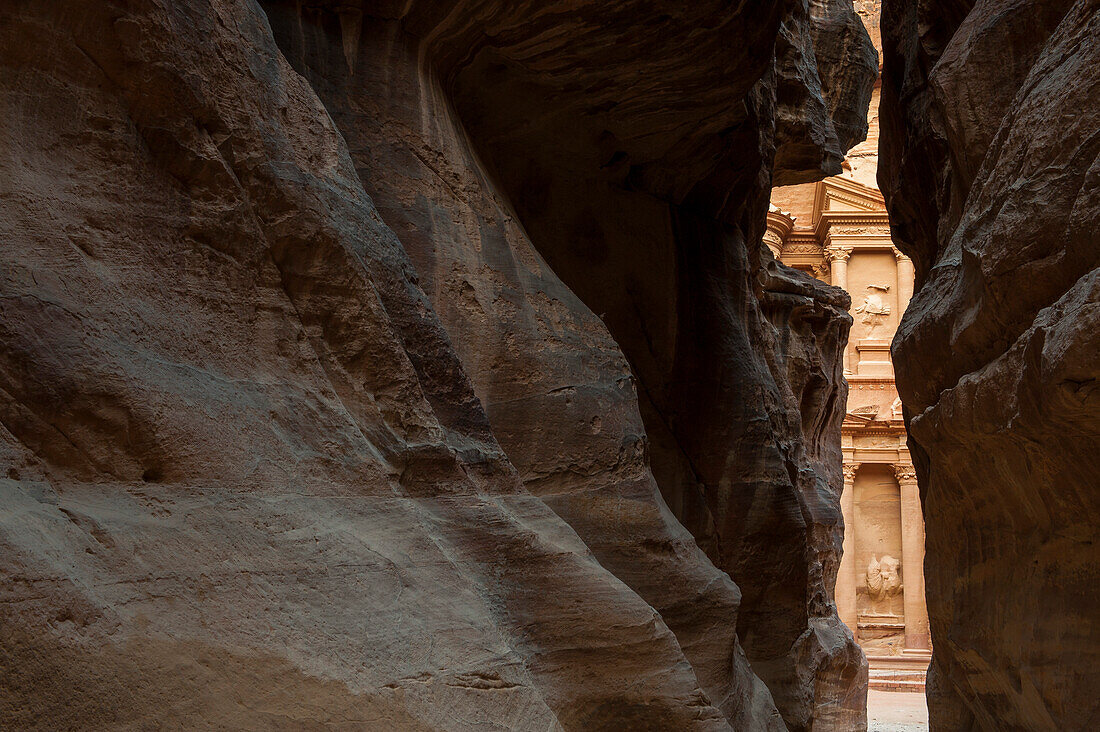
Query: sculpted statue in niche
{"type": "Point", "coordinates": [881, 616]}
{"type": "Point", "coordinates": [883, 578]}
{"type": "Point", "coordinates": [881, 622]}
{"type": "Point", "coordinates": [874, 309]}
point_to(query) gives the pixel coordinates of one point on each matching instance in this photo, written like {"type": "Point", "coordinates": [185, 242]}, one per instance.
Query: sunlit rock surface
{"type": "Point", "coordinates": [990, 168]}
{"type": "Point", "coordinates": [417, 366]}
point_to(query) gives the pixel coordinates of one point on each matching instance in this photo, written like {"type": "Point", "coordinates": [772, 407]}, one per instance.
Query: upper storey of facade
{"type": "Point", "coordinates": [838, 231]}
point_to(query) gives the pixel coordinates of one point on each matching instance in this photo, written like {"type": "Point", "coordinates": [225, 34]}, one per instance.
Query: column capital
{"type": "Point", "coordinates": [905, 473]}
{"type": "Point", "coordinates": [901, 257]}
{"type": "Point", "coordinates": [837, 253]}
{"type": "Point", "coordinates": [850, 471]}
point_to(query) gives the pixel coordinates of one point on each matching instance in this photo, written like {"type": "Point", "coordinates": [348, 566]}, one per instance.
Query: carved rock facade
{"type": "Point", "coordinates": [409, 364]}
{"type": "Point", "coordinates": [841, 232]}
{"type": "Point", "coordinates": [990, 166]}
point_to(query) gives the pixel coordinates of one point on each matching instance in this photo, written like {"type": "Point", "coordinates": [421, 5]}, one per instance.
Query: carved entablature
{"type": "Point", "coordinates": [876, 231]}
{"type": "Point", "coordinates": [802, 248]}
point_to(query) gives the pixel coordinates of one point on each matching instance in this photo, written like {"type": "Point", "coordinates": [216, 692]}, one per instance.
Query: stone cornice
{"type": "Point", "coordinates": [877, 430]}
{"type": "Point", "coordinates": [853, 422]}
{"type": "Point", "coordinates": [872, 224]}
{"type": "Point", "coordinates": [879, 456]}
{"type": "Point", "coordinates": [853, 217]}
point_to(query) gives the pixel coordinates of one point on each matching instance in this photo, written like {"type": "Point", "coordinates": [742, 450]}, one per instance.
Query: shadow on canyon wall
{"type": "Point", "coordinates": [418, 365]}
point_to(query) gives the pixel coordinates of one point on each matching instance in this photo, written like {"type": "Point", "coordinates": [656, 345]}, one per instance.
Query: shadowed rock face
{"type": "Point", "coordinates": [419, 367]}
{"type": "Point", "coordinates": [990, 169]}
{"type": "Point", "coordinates": [659, 252]}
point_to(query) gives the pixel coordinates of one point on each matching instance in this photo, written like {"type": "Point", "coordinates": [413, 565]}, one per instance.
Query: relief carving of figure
{"type": "Point", "coordinates": [883, 577]}
{"type": "Point", "coordinates": [874, 309]}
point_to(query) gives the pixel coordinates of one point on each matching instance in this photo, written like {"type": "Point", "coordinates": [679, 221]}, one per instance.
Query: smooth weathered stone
{"type": "Point", "coordinates": [323, 338]}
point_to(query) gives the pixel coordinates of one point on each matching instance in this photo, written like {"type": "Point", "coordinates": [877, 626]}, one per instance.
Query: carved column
{"type": "Point", "coordinates": [838, 260]}
{"type": "Point", "coordinates": [779, 226]}
{"type": "Point", "coordinates": [905, 280]}
{"type": "Point", "coordinates": [774, 242]}
{"type": "Point", "coordinates": [846, 576]}
{"type": "Point", "coordinates": [912, 558]}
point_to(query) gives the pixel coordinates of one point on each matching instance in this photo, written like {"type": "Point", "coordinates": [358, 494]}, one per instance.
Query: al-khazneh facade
{"type": "Point", "coordinates": [837, 230]}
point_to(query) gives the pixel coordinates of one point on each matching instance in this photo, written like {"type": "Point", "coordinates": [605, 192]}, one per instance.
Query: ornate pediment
{"type": "Point", "coordinates": [844, 194]}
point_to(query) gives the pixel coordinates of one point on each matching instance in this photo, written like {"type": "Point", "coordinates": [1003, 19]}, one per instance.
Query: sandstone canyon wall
{"type": "Point", "coordinates": [417, 366]}
{"type": "Point", "coordinates": [990, 165]}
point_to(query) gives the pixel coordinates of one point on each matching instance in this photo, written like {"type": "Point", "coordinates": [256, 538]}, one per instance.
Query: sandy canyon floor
{"type": "Point", "coordinates": [896, 711]}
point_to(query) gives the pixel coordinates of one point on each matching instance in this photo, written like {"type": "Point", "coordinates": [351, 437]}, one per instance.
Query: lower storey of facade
{"type": "Point", "coordinates": [880, 585]}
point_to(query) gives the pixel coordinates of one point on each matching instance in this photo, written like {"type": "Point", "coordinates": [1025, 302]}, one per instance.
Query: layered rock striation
{"type": "Point", "coordinates": [417, 366]}
{"type": "Point", "coordinates": [990, 166]}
